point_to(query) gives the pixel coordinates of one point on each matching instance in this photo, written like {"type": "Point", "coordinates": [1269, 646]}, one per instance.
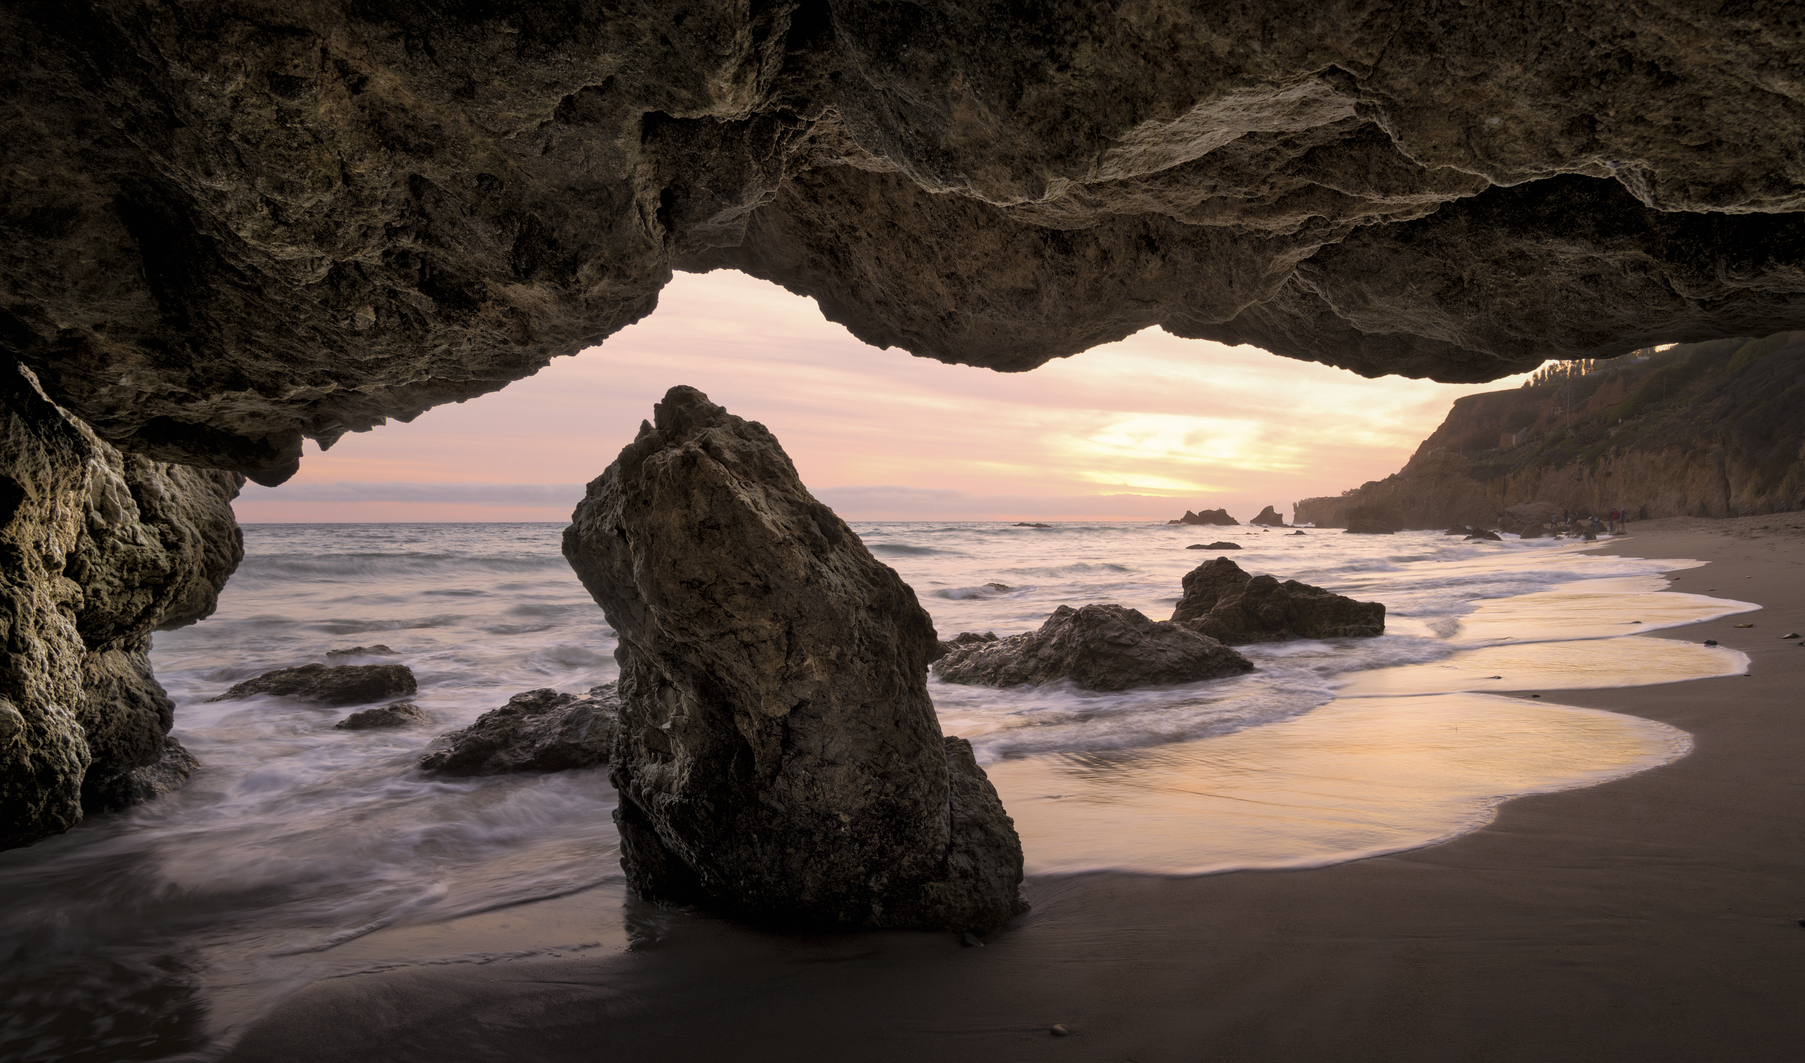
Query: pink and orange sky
{"type": "Point", "coordinates": [1142, 429]}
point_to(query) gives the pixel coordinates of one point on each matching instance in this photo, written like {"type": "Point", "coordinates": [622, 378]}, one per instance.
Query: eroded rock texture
{"type": "Point", "coordinates": [1226, 603]}
{"type": "Point", "coordinates": [1097, 647]}
{"type": "Point", "coordinates": [778, 755]}
{"type": "Point", "coordinates": [97, 549]}
{"type": "Point", "coordinates": [229, 226]}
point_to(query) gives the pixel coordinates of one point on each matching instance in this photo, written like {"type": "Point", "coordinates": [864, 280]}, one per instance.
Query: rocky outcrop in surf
{"type": "Point", "coordinates": [1218, 517]}
{"type": "Point", "coordinates": [345, 684]}
{"type": "Point", "coordinates": [1097, 647]}
{"type": "Point", "coordinates": [1269, 518]}
{"type": "Point", "coordinates": [1224, 602]}
{"type": "Point", "coordinates": [97, 550]}
{"type": "Point", "coordinates": [539, 730]}
{"type": "Point", "coordinates": [383, 717]}
{"type": "Point", "coordinates": [778, 756]}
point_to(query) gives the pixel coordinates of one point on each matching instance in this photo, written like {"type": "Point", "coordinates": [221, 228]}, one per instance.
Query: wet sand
{"type": "Point", "coordinates": [1651, 918]}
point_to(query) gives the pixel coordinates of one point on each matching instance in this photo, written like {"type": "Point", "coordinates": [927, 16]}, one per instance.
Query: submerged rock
{"type": "Point", "coordinates": [378, 650]}
{"type": "Point", "coordinates": [163, 776]}
{"type": "Point", "coordinates": [1224, 602]}
{"type": "Point", "coordinates": [1025, 524]}
{"type": "Point", "coordinates": [1482, 534]}
{"type": "Point", "coordinates": [539, 730]}
{"type": "Point", "coordinates": [1214, 546]}
{"type": "Point", "coordinates": [1097, 647]}
{"type": "Point", "coordinates": [344, 684]}
{"type": "Point", "coordinates": [400, 714]}
{"type": "Point", "coordinates": [778, 755]}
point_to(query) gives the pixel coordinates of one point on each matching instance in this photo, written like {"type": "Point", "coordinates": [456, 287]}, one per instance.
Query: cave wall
{"type": "Point", "coordinates": [97, 550]}
{"type": "Point", "coordinates": [227, 226]}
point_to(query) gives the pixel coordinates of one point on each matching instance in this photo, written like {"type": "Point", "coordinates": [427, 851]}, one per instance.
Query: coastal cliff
{"type": "Point", "coordinates": [1706, 429]}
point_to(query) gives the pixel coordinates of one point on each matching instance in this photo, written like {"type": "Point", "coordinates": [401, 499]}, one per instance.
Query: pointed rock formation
{"type": "Point", "coordinates": [1097, 647]}
{"type": "Point", "coordinates": [1208, 516]}
{"type": "Point", "coordinates": [1225, 603]}
{"type": "Point", "coordinates": [1269, 518]}
{"type": "Point", "coordinates": [778, 756]}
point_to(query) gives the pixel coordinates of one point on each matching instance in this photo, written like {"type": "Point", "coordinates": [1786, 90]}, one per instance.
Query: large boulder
{"type": "Point", "coordinates": [1097, 647]}
{"type": "Point", "coordinates": [1224, 602]}
{"type": "Point", "coordinates": [1269, 518]}
{"type": "Point", "coordinates": [344, 684]}
{"type": "Point", "coordinates": [539, 730]}
{"type": "Point", "coordinates": [97, 550]}
{"type": "Point", "coordinates": [778, 756]}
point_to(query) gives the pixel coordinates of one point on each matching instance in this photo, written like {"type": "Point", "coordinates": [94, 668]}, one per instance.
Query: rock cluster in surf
{"type": "Point", "coordinates": [1208, 516]}
{"type": "Point", "coordinates": [1097, 647]}
{"type": "Point", "coordinates": [344, 684]}
{"type": "Point", "coordinates": [777, 755]}
{"type": "Point", "coordinates": [538, 730]}
{"type": "Point", "coordinates": [1224, 602]}
{"type": "Point", "coordinates": [97, 550]}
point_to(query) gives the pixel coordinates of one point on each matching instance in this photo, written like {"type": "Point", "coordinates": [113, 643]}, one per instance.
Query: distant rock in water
{"type": "Point", "coordinates": [1097, 647]}
{"type": "Point", "coordinates": [378, 650]}
{"type": "Point", "coordinates": [1025, 524]}
{"type": "Point", "coordinates": [345, 684]}
{"type": "Point", "coordinates": [1214, 546]}
{"type": "Point", "coordinates": [778, 754]}
{"type": "Point", "coordinates": [539, 730]}
{"type": "Point", "coordinates": [400, 714]}
{"type": "Point", "coordinates": [1225, 603]}
{"type": "Point", "coordinates": [1269, 518]}
{"type": "Point", "coordinates": [1208, 516]}
{"type": "Point", "coordinates": [1482, 534]}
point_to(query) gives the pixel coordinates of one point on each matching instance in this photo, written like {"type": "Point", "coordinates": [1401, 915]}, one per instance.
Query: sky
{"type": "Point", "coordinates": [1142, 429]}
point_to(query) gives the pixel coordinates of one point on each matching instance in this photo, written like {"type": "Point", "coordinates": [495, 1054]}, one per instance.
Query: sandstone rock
{"type": "Point", "coordinates": [456, 196]}
{"type": "Point", "coordinates": [1269, 518]}
{"type": "Point", "coordinates": [345, 684]}
{"type": "Point", "coordinates": [1097, 647]}
{"type": "Point", "coordinates": [778, 755]}
{"type": "Point", "coordinates": [1225, 603]}
{"type": "Point", "coordinates": [97, 549]}
{"type": "Point", "coordinates": [400, 714]}
{"type": "Point", "coordinates": [539, 730]}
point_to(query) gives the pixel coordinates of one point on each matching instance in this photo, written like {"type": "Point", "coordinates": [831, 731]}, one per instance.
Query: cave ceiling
{"type": "Point", "coordinates": [230, 226]}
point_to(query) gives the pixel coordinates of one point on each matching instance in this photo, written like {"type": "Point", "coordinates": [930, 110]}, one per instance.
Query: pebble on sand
{"type": "Point", "coordinates": [1058, 1029]}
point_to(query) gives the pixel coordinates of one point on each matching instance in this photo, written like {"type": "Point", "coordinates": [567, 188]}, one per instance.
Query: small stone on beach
{"type": "Point", "coordinates": [971, 940]}
{"type": "Point", "coordinates": [1790, 635]}
{"type": "Point", "coordinates": [1745, 625]}
{"type": "Point", "coordinates": [1058, 1029]}
{"type": "Point", "coordinates": [1710, 642]}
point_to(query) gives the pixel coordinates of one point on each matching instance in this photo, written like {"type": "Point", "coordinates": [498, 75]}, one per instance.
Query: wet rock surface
{"type": "Point", "coordinates": [1226, 603]}
{"type": "Point", "coordinates": [163, 776]}
{"type": "Point", "coordinates": [97, 550]}
{"type": "Point", "coordinates": [200, 234]}
{"type": "Point", "coordinates": [400, 714]}
{"type": "Point", "coordinates": [344, 684]}
{"type": "Point", "coordinates": [538, 730]}
{"type": "Point", "coordinates": [1097, 647]}
{"type": "Point", "coordinates": [778, 756]}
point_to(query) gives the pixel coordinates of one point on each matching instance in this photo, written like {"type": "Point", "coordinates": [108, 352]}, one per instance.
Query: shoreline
{"type": "Point", "coordinates": [1653, 917]}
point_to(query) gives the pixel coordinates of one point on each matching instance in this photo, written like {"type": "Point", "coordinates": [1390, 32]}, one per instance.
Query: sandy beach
{"type": "Point", "coordinates": [1651, 918]}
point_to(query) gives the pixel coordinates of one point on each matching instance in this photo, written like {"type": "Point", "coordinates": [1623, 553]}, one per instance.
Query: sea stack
{"type": "Point", "coordinates": [778, 756]}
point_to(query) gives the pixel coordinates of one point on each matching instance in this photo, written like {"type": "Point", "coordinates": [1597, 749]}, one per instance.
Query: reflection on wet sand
{"type": "Point", "coordinates": [1357, 777]}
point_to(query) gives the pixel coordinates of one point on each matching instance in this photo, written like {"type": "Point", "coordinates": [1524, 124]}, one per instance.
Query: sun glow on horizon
{"type": "Point", "coordinates": [1143, 428]}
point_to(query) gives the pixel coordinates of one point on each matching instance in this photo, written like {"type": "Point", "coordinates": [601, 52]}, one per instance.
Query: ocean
{"type": "Point", "coordinates": [300, 852]}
